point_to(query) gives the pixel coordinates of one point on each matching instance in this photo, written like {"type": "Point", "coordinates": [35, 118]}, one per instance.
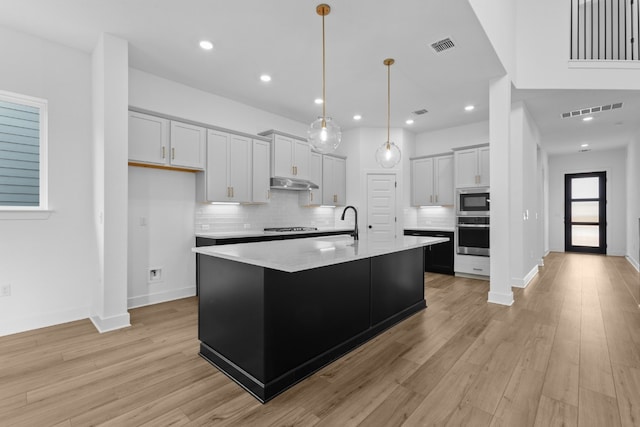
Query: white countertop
{"type": "Point", "coordinates": [304, 254]}
{"type": "Point", "coordinates": [257, 233]}
{"type": "Point", "coordinates": [451, 229]}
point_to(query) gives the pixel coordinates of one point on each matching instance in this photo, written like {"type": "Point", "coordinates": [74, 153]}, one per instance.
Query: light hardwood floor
{"type": "Point", "coordinates": [567, 353]}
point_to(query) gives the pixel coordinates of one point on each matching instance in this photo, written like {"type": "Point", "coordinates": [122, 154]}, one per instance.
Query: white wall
{"type": "Point", "coordinates": [498, 18]}
{"type": "Point", "coordinates": [444, 140]}
{"type": "Point", "coordinates": [611, 161]}
{"type": "Point", "coordinates": [161, 235]}
{"type": "Point", "coordinates": [633, 201]}
{"type": "Point", "coordinates": [525, 183]}
{"type": "Point", "coordinates": [51, 264]}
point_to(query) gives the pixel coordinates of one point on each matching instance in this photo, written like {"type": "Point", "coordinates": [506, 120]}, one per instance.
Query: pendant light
{"type": "Point", "coordinates": [388, 154]}
{"type": "Point", "coordinates": [324, 134]}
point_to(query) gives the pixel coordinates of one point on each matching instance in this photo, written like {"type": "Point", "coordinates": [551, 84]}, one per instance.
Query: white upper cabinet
{"type": "Point", "coordinates": [432, 181]}
{"type": "Point", "coordinates": [188, 145]}
{"type": "Point", "coordinates": [228, 175]}
{"type": "Point", "coordinates": [260, 158]}
{"type": "Point", "coordinates": [290, 157]}
{"type": "Point", "coordinates": [472, 167]}
{"type": "Point", "coordinates": [313, 197]}
{"type": "Point", "coordinates": [334, 186]}
{"type": "Point", "coordinates": [159, 141]}
{"type": "Point", "coordinates": [148, 138]}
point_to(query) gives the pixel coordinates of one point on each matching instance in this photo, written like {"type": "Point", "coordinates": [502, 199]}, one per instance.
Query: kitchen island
{"type": "Point", "coordinates": [272, 313]}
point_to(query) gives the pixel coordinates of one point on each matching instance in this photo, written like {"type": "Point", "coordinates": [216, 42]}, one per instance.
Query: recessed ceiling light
{"type": "Point", "coordinates": [206, 45]}
{"type": "Point", "coordinates": [587, 119]}
{"type": "Point", "coordinates": [265, 78]}
{"type": "Point", "coordinates": [584, 145]}
{"type": "Point", "coordinates": [357, 117]}
{"type": "Point", "coordinates": [318, 101]}
{"type": "Point", "coordinates": [469, 108]}
{"type": "Point", "coordinates": [409, 122]}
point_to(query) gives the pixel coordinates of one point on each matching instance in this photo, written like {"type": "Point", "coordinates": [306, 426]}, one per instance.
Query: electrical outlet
{"type": "Point", "coordinates": [204, 226]}
{"type": "Point", "coordinates": [155, 275]}
{"type": "Point", "coordinates": [5, 291]}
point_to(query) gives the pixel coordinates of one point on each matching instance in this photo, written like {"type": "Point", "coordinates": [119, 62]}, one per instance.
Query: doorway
{"type": "Point", "coordinates": [585, 212]}
{"type": "Point", "coordinates": [381, 205]}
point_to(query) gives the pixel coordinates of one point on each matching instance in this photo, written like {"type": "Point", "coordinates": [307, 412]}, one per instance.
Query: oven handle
{"type": "Point", "coordinates": [473, 225]}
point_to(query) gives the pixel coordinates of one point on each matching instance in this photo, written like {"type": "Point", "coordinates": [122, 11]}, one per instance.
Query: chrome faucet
{"type": "Point", "coordinates": [355, 230]}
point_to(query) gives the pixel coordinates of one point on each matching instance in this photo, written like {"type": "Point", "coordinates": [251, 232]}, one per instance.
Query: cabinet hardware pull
{"type": "Point", "coordinates": [173, 153]}
{"type": "Point", "coordinates": [335, 198]}
{"type": "Point", "coordinates": [477, 269]}
{"type": "Point", "coordinates": [430, 199]}
{"type": "Point", "coordinates": [228, 191]}
{"type": "Point", "coordinates": [232, 195]}
{"type": "Point", "coordinates": [436, 198]}
{"type": "Point", "coordinates": [296, 170]}
{"type": "Point", "coordinates": [311, 193]}
{"type": "Point", "coordinates": [268, 194]}
{"type": "Point", "coordinates": [163, 153]}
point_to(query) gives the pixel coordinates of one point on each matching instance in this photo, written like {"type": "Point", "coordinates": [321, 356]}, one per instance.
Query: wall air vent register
{"type": "Point", "coordinates": [591, 110]}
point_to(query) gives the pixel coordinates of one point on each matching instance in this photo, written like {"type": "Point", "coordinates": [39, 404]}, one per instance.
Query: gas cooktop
{"type": "Point", "coordinates": [285, 229]}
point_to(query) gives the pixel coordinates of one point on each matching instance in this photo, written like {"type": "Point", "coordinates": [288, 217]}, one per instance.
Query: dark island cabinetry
{"type": "Point", "coordinates": [437, 258]}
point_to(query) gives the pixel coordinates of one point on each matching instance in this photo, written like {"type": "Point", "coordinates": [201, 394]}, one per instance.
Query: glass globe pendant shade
{"type": "Point", "coordinates": [388, 155]}
{"type": "Point", "coordinates": [324, 135]}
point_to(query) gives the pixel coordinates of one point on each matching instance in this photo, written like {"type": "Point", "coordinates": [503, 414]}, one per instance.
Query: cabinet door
{"type": "Point", "coordinates": [483, 166]}
{"type": "Point", "coordinates": [443, 177]}
{"type": "Point", "coordinates": [217, 188]}
{"type": "Point", "coordinates": [260, 155]}
{"type": "Point", "coordinates": [282, 165]}
{"type": "Point", "coordinates": [422, 182]}
{"type": "Point", "coordinates": [466, 166]}
{"type": "Point", "coordinates": [329, 197]}
{"type": "Point", "coordinates": [313, 197]}
{"type": "Point", "coordinates": [301, 156]}
{"type": "Point", "coordinates": [188, 145]}
{"type": "Point", "coordinates": [340, 181]}
{"type": "Point", "coordinates": [148, 138]}
{"type": "Point", "coordinates": [239, 171]}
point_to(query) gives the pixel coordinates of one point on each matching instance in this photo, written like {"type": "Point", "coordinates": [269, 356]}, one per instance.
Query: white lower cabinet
{"type": "Point", "coordinates": [471, 264]}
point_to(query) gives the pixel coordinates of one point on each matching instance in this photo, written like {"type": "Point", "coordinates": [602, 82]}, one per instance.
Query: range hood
{"type": "Point", "coordinates": [292, 184]}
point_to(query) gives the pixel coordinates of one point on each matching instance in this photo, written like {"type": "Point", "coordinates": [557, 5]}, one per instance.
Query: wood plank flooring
{"type": "Point", "coordinates": [566, 353]}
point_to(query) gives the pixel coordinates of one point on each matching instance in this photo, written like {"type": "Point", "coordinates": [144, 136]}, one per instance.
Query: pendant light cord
{"type": "Point", "coordinates": [324, 98]}
{"type": "Point", "coordinates": [388, 105]}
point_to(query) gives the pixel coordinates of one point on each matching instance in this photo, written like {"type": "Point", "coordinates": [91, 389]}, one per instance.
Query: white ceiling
{"type": "Point", "coordinates": [283, 38]}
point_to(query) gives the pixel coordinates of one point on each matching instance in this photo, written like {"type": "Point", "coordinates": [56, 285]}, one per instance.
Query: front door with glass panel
{"type": "Point", "coordinates": [585, 208]}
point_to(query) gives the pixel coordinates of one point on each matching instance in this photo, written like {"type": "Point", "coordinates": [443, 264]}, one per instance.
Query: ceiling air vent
{"type": "Point", "coordinates": [442, 45]}
{"type": "Point", "coordinates": [420, 112]}
{"type": "Point", "coordinates": [591, 110]}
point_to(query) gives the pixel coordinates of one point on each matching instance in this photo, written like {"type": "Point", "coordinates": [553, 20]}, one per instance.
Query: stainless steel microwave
{"type": "Point", "coordinates": [473, 201]}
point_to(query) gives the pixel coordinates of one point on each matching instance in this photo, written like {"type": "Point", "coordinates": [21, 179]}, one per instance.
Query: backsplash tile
{"type": "Point", "coordinates": [283, 211]}
{"type": "Point", "coordinates": [433, 216]}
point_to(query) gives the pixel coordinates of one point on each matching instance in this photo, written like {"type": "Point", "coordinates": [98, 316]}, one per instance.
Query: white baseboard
{"type": "Point", "coordinates": [524, 282]}
{"type": "Point", "coordinates": [633, 262]}
{"type": "Point", "coordinates": [471, 276]}
{"type": "Point", "coordinates": [174, 294]}
{"type": "Point", "coordinates": [14, 326]}
{"type": "Point", "coordinates": [500, 298]}
{"type": "Point", "coordinates": [541, 262]}
{"type": "Point", "coordinates": [112, 323]}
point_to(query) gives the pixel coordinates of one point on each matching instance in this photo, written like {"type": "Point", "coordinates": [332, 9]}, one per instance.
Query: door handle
{"type": "Point", "coordinates": [371, 226]}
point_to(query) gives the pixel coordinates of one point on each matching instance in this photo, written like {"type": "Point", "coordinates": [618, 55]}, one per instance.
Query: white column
{"type": "Point", "coordinates": [500, 111]}
{"type": "Point", "coordinates": [110, 68]}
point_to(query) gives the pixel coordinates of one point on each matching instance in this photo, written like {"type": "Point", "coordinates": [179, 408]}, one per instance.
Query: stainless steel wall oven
{"type": "Point", "coordinates": [473, 235]}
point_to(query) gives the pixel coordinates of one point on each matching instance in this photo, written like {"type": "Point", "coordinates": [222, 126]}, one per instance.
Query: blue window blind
{"type": "Point", "coordinates": [19, 154]}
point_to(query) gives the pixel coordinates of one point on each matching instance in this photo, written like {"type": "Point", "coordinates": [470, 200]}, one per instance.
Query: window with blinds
{"type": "Point", "coordinates": [22, 144]}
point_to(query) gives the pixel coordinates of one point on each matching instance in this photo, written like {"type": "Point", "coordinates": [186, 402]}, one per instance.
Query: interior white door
{"type": "Point", "coordinates": [381, 205]}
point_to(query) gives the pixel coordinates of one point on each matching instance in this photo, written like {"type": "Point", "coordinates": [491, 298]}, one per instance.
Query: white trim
{"type": "Point", "coordinates": [43, 321]}
{"type": "Point", "coordinates": [604, 64]}
{"type": "Point", "coordinates": [524, 282]}
{"type": "Point", "coordinates": [25, 214]}
{"type": "Point", "coordinates": [22, 212]}
{"type": "Point", "coordinates": [174, 294]}
{"type": "Point", "coordinates": [633, 262]}
{"type": "Point", "coordinates": [471, 276]}
{"type": "Point", "coordinates": [500, 298]}
{"type": "Point", "coordinates": [108, 324]}
{"type": "Point", "coordinates": [541, 262]}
